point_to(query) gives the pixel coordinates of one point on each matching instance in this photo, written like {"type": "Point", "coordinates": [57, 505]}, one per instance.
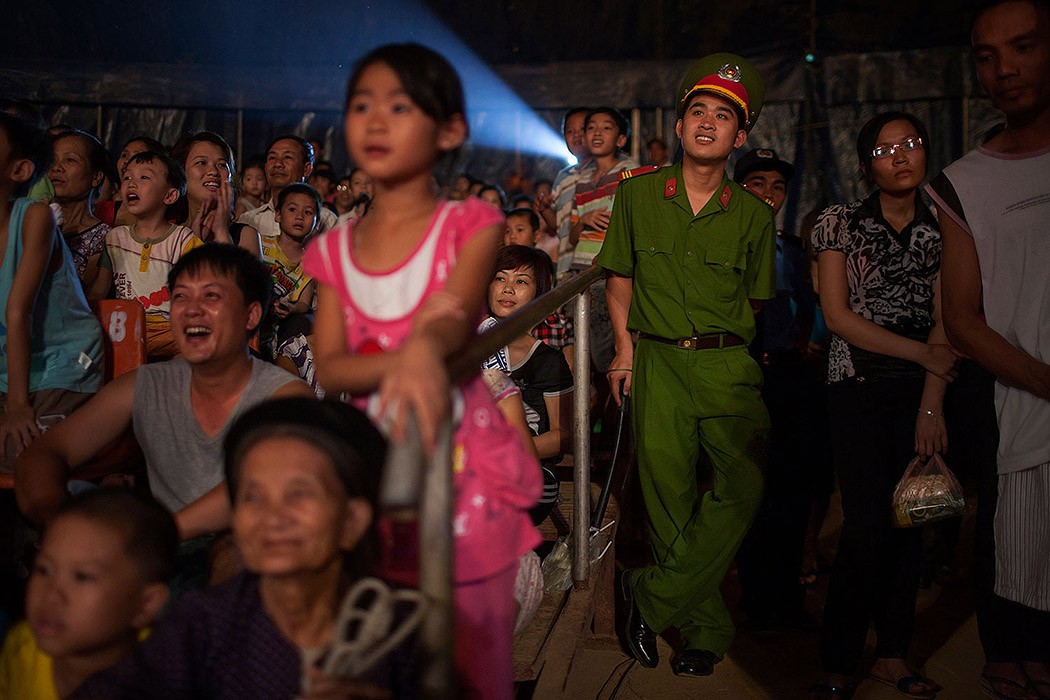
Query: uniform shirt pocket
{"type": "Point", "coordinates": [726, 266]}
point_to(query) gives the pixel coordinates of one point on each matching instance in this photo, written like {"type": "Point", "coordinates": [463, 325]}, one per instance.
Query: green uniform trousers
{"type": "Point", "coordinates": [683, 400]}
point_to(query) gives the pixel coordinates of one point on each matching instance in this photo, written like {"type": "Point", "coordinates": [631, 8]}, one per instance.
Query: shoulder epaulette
{"type": "Point", "coordinates": [641, 170]}
{"type": "Point", "coordinates": [757, 196]}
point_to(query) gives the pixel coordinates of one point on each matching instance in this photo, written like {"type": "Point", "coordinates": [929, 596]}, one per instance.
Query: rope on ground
{"type": "Point", "coordinates": [630, 664]}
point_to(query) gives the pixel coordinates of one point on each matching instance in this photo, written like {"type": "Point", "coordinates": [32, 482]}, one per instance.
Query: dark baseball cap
{"type": "Point", "coordinates": [758, 159]}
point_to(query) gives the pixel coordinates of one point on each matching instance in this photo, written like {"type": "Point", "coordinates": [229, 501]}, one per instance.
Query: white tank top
{"type": "Point", "coordinates": [1005, 201]}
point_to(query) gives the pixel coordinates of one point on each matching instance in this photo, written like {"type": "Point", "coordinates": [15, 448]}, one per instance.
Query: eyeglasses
{"type": "Point", "coordinates": [886, 150]}
{"type": "Point", "coordinates": [342, 188]}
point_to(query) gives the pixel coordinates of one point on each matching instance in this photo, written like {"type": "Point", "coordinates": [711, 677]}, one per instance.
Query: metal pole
{"type": "Point", "coordinates": [581, 477]}
{"type": "Point", "coordinates": [659, 123]}
{"type": "Point", "coordinates": [437, 678]}
{"type": "Point", "coordinates": [98, 122]}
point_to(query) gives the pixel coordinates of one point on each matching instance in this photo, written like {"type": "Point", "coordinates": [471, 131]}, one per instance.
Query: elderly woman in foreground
{"type": "Point", "coordinates": [303, 477]}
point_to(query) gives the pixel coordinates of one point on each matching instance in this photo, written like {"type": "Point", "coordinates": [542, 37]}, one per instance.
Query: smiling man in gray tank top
{"type": "Point", "coordinates": [180, 410]}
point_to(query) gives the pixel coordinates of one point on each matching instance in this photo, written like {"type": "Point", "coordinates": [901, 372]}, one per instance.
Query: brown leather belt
{"type": "Point", "coordinates": [699, 342]}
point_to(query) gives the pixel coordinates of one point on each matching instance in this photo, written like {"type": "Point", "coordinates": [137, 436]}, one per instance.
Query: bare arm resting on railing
{"type": "Point", "coordinates": [618, 295]}
{"type": "Point", "coordinates": [414, 375]}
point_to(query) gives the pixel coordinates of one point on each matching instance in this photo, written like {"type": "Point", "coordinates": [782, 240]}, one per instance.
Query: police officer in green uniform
{"type": "Point", "coordinates": [689, 256]}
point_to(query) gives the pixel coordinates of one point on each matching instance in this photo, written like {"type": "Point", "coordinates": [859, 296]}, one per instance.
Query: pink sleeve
{"type": "Point", "coordinates": [321, 256]}
{"type": "Point", "coordinates": [472, 216]}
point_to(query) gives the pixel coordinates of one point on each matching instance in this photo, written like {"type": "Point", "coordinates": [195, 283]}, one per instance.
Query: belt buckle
{"type": "Point", "coordinates": [691, 343]}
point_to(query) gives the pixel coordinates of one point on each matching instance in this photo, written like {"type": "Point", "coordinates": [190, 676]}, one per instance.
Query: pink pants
{"type": "Point", "coordinates": [485, 612]}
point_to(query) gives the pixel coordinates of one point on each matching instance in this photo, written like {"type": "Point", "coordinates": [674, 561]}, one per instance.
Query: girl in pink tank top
{"type": "Point", "coordinates": [399, 292]}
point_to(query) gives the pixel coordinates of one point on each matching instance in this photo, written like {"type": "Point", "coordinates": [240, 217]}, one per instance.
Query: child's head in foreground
{"type": "Point", "coordinates": [101, 573]}
{"type": "Point", "coordinates": [420, 96]}
{"type": "Point", "coordinates": [25, 153]}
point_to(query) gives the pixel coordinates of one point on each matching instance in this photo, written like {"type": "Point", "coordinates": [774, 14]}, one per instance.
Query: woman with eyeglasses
{"type": "Point", "coordinates": [889, 365]}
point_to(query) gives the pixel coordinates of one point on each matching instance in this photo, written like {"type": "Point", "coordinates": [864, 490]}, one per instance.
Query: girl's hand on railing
{"type": "Point", "coordinates": [418, 382]}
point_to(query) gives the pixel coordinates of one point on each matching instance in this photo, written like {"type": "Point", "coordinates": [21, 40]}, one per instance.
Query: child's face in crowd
{"type": "Point", "coordinates": [209, 317]}
{"type": "Point", "coordinates": [388, 134]}
{"type": "Point", "coordinates": [519, 231]}
{"type": "Point", "coordinates": [657, 153]}
{"type": "Point", "coordinates": [769, 185]}
{"type": "Point", "coordinates": [343, 196]}
{"type": "Point", "coordinates": [576, 135]}
{"type": "Point", "coordinates": [322, 184]}
{"type": "Point", "coordinates": [510, 290]}
{"type": "Point", "coordinates": [492, 197]}
{"type": "Point", "coordinates": [297, 217]}
{"type": "Point", "coordinates": [71, 174]}
{"type": "Point", "coordinates": [85, 592]}
{"type": "Point", "coordinates": [603, 135]}
{"type": "Point", "coordinates": [291, 514]}
{"type": "Point", "coordinates": [361, 183]}
{"type": "Point", "coordinates": [254, 181]}
{"type": "Point", "coordinates": [708, 129]}
{"type": "Point", "coordinates": [145, 188]}
{"type": "Point", "coordinates": [904, 170]}
{"type": "Point", "coordinates": [206, 169]}
{"type": "Point", "coordinates": [285, 164]}
{"type": "Point", "coordinates": [542, 193]}
{"type": "Point", "coordinates": [460, 188]}
{"type": "Point", "coordinates": [132, 149]}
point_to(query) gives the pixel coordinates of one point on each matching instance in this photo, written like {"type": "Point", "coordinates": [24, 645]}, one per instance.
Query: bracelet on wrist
{"type": "Point", "coordinates": [619, 369]}
{"type": "Point", "coordinates": [930, 414]}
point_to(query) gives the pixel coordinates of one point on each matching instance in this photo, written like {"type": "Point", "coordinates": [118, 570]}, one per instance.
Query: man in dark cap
{"type": "Point", "coordinates": [689, 255]}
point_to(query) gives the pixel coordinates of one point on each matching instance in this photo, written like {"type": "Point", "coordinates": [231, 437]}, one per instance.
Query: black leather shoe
{"type": "Point", "coordinates": [694, 662]}
{"type": "Point", "coordinates": [640, 639]}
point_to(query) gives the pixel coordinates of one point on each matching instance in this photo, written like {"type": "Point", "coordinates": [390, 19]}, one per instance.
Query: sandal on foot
{"type": "Point", "coordinates": [826, 691]}
{"type": "Point", "coordinates": [993, 687]}
{"type": "Point", "coordinates": [906, 686]}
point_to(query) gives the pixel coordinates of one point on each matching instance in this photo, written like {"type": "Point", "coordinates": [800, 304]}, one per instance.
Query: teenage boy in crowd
{"type": "Point", "coordinates": [557, 210]}
{"type": "Point", "coordinates": [993, 205]}
{"type": "Point", "coordinates": [289, 159]}
{"type": "Point", "coordinates": [607, 133]}
{"type": "Point", "coordinates": [689, 255]}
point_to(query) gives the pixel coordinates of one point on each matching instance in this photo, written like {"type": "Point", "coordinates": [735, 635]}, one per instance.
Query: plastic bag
{"type": "Point", "coordinates": [927, 492]}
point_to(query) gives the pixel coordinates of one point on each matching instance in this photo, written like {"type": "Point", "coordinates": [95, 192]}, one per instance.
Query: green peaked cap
{"type": "Point", "coordinates": [729, 76]}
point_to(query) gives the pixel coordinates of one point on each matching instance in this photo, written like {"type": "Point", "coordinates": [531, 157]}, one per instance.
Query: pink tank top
{"type": "Point", "coordinates": [496, 479]}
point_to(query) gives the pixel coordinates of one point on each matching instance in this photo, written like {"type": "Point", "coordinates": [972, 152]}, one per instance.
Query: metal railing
{"type": "Point", "coordinates": [414, 482]}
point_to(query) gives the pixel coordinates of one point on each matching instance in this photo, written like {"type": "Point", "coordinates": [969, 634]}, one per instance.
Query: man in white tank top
{"type": "Point", "coordinates": [994, 209]}
{"type": "Point", "coordinates": [180, 409]}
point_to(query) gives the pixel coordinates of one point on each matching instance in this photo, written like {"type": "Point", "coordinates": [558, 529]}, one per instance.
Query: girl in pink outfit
{"type": "Point", "coordinates": [399, 291]}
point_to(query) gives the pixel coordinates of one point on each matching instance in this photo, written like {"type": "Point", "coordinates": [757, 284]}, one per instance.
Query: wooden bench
{"type": "Point", "coordinates": [545, 651]}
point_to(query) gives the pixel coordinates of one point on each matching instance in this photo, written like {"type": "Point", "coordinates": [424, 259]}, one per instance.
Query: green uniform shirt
{"type": "Point", "coordinates": [692, 274]}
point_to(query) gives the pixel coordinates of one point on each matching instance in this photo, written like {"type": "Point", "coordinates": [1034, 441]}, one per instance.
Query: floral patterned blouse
{"type": "Point", "coordinates": [890, 277]}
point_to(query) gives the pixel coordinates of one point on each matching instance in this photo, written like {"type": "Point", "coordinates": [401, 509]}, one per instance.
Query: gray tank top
{"type": "Point", "coordinates": [183, 463]}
